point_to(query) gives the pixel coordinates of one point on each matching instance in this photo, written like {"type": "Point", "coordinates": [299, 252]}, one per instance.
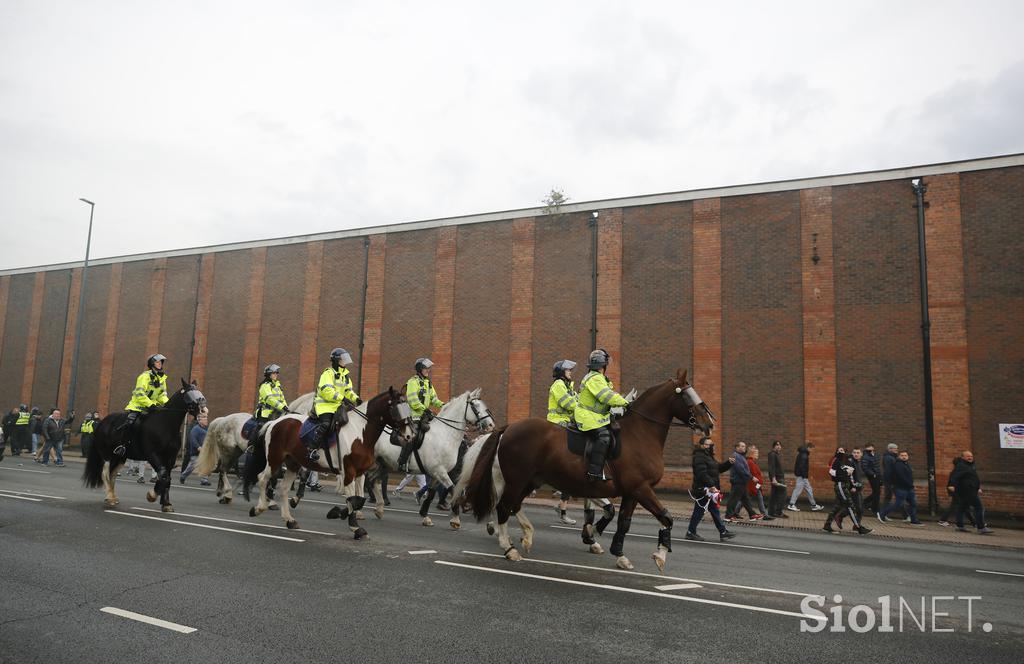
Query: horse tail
{"type": "Point", "coordinates": [480, 485]}
{"type": "Point", "coordinates": [209, 452]}
{"type": "Point", "coordinates": [255, 464]}
{"type": "Point", "coordinates": [92, 476]}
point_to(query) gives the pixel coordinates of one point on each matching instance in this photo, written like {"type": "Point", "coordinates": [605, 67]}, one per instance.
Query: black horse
{"type": "Point", "coordinates": [156, 439]}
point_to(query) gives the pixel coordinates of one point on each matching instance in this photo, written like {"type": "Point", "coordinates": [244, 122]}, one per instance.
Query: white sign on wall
{"type": "Point", "coordinates": [1011, 436]}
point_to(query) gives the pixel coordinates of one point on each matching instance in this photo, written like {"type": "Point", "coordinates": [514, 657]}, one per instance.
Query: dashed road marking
{"type": "Point", "coordinates": [33, 494]}
{"type": "Point", "coordinates": [678, 586]}
{"type": "Point", "coordinates": [986, 571]}
{"type": "Point", "coordinates": [244, 523]}
{"type": "Point", "coordinates": [34, 500]}
{"type": "Point", "coordinates": [26, 470]}
{"type": "Point", "coordinates": [422, 552]}
{"type": "Point", "coordinates": [203, 525]}
{"type": "Point", "coordinates": [149, 620]}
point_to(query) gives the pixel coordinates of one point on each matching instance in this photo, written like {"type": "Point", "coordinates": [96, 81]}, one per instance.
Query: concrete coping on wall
{"type": "Point", "coordinates": [908, 172]}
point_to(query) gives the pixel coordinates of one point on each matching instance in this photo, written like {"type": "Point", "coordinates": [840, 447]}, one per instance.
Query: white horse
{"type": "Point", "coordinates": [440, 449]}
{"type": "Point", "coordinates": [224, 443]}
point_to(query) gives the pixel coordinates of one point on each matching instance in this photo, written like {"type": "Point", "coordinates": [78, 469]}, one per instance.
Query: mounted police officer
{"type": "Point", "coordinates": [421, 396]}
{"type": "Point", "coordinates": [150, 392]}
{"type": "Point", "coordinates": [562, 397]}
{"type": "Point", "coordinates": [270, 404]}
{"type": "Point", "coordinates": [334, 390]}
{"type": "Point", "coordinates": [596, 399]}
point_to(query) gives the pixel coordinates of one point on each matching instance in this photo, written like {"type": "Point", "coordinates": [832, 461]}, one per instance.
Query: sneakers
{"type": "Point", "coordinates": [781, 515]}
{"type": "Point", "coordinates": [985, 530]}
{"type": "Point", "coordinates": [142, 479]}
{"type": "Point", "coordinates": [395, 494]}
{"type": "Point", "coordinates": [727, 535]}
{"type": "Point", "coordinates": [564, 518]}
{"type": "Point", "coordinates": [961, 529]}
{"type": "Point", "coordinates": [863, 530]}
{"type": "Point", "coordinates": [881, 517]}
{"type": "Point", "coordinates": [444, 507]}
{"type": "Point", "coordinates": [944, 524]}
{"type": "Point", "coordinates": [693, 537]}
{"type": "Point", "coordinates": [816, 508]}
{"type": "Point", "coordinates": [204, 482]}
{"type": "Point", "coordinates": [828, 527]}
{"type": "Point", "coordinates": [917, 523]}
{"type": "Point", "coordinates": [59, 465]}
{"type": "Point", "coordinates": [768, 518]}
{"type": "Point", "coordinates": [756, 517]}
{"type": "Point", "coordinates": [182, 479]}
{"type": "Point", "coordinates": [793, 508]}
{"type": "Point", "coordinates": [731, 519]}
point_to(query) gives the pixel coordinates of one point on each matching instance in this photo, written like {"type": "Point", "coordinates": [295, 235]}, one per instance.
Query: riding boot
{"type": "Point", "coordinates": [407, 450]}
{"type": "Point", "coordinates": [598, 452]}
{"type": "Point", "coordinates": [319, 436]}
{"type": "Point", "coordinates": [127, 426]}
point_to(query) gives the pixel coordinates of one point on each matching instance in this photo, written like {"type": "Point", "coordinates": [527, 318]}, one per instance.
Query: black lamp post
{"type": "Point", "coordinates": [81, 310]}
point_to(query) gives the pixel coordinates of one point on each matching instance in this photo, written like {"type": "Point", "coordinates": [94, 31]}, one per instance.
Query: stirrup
{"type": "Point", "coordinates": [121, 450]}
{"type": "Point", "coordinates": [314, 455]}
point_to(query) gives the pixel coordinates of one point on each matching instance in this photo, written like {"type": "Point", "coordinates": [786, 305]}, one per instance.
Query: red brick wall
{"type": "Point", "coordinates": [520, 367]}
{"type": "Point", "coordinates": [993, 239]}
{"type": "Point", "coordinates": [444, 293]}
{"type": "Point", "coordinates": [281, 328]}
{"type": "Point", "coordinates": [69, 340]}
{"type": "Point", "coordinates": [45, 384]}
{"type": "Point", "coordinates": [226, 337]}
{"type": "Point", "coordinates": [90, 354]}
{"type": "Point", "coordinates": [706, 376]}
{"type": "Point", "coordinates": [103, 396]}
{"type": "Point", "coordinates": [609, 290]}
{"type": "Point", "coordinates": [483, 294]}
{"type": "Point", "coordinates": [178, 312]}
{"type": "Point", "coordinates": [16, 336]}
{"type": "Point", "coordinates": [657, 304]}
{"type": "Point", "coordinates": [370, 381]}
{"type": "Point", "coordinates": [32, 342]}
{"type": "Point", "coordinates": [312, 285]}
{"type": "Point", "coordinates": [407, 327]}
{"type": "Point", "coordinates": [341, 300]}
{"type": "Point", "coordinates": [204, 302]}
{"type": "Point", "coordinates": [131, 339]}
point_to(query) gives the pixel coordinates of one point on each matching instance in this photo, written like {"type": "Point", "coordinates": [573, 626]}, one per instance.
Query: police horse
{"type": "Point", "coordinates": [439, 453]}
{"type": "Point", "coordinates": [224, 445]}
{"type": "Point", "coordinates": [352, 455]}
{"type": "Point", "coordinates": [155, 438]}
{"type": "Point", "coordinates": [521, 457]}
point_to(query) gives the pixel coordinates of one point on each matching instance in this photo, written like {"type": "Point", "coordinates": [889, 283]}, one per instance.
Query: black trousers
{"type": "Point", "coordinates": [777, 500]}
{"type": "Point", "coordinates": [871, 502]}
{"type": "Point", "coordinates": [738, 497]}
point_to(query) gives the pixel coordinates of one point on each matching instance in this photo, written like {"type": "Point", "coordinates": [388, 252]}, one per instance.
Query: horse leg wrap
{"type": "Point", "coordinates": [665, 538]}
{"type": "Point", "coordinates": [588, 526]}
{"type": "Point", "coordinates": [337, 512]}
{"type": "Point", "coordinates": [620, 536]}
{"type": "Point", "coordinates": [353, 522]}
{"type": "Point", "coordinates": [609, 514]}
{"type": "Point", "coordinates": [356, 503]}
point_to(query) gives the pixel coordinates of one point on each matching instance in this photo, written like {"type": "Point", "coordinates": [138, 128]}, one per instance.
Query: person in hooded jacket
{"type": "Point", "coordinates": [706, 491]}
{"type": "Point", "coordinates": [965, 485]}
{"type": "Point", "coordinates": [950, 511]}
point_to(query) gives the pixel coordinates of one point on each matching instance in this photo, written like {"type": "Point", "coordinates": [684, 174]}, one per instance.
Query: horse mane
{"type": "Point", "coordinates": [650, 391]}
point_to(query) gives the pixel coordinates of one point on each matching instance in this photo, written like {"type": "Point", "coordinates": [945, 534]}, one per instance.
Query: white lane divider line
{"type": "Point", "coordinates": [678, 586]}
{"type": "Point", "coordinates": [653, 576]}
{"type": "Point", "coordinates": [686, 541]}
{"type": "Point", "coordinates": [422, 552]}
{"type": "Point", "coordinates": [131, 615]}
{"type": "Point", "coordinates": [26, 470]}
{"type": "Point", "coordinates": [33, 494]}
{"type": "Point", "coordinates": [34, 500]}
{"type": "Point", "coordinates": [635, 591]}
{"type": "Point", "coordinates": [987, 571]}
{"type": "Point", "coordinates": [203, 525]}
{"type": "Point", "coordinates": [244, 523]}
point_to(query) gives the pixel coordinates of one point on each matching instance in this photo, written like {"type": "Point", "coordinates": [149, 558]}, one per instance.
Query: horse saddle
{"type": "Point", "coordinates": [308, 429]}
{"type": "Point", "coordinates": [250, 426]}
{"type": "Point", "coordinates": [579, 443]}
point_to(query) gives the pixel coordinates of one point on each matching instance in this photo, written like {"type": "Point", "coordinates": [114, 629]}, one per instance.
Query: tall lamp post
{"type": "Point", "coordinates": [81, 310]}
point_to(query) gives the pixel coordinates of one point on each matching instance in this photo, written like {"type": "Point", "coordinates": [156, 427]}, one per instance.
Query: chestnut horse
{"type": "Point", "coordinates": [353, 455]}
{"type": "Point", "coordinates": [529, 453]}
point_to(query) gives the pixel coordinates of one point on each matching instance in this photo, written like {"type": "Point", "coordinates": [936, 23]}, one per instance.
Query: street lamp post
{"type": "Point", "coordinates": [81, 310]}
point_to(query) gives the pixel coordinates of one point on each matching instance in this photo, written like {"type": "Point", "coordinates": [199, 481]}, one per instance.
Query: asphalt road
{"type": "Point", "coordinates": [255, 591]}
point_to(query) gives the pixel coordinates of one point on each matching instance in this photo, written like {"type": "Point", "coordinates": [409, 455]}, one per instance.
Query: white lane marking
{"type": "Point", "coordinates": [131, 615]}
{"type": "Point", "coordinates": [421, 553]}
{"type": "Point", "coordinates": [203, 525]}
{"type": "Point", "coordinates": [740, 546]}
{"type": "Point", "coordinates": [986, 571]}
{"type": "Point", "coordinates": [32, 493]}
{"type": "Point", "coordinates": [678, 586]}
{"type": "Point", "coordinates": [654, 576]}
{"type": "Point", "coordinates": [26, 470]}
{"type": "Point", "coordinates": [399, 509]}
{"type": "Point", "coordinates": [244, 523]}
{"type": "Point", "coordinates": [34, 500]}
{"type": "Point", "coordinates": [636, 591]}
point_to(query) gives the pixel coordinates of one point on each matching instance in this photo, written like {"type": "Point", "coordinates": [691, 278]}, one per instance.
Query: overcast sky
{"type": "Point", "coordinates": [192, 123]}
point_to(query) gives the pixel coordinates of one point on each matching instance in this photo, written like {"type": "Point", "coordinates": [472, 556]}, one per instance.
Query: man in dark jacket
{"type": "Point", "coordinates": [902, 477]}
{"type": "Point", "coordinates": [9, 422]}
{"type": "Point", "coordinates": [777, 480]}
{"type": "Point", "coordinates": [889, 460]}
{"type": "Point", "coordinates": [872, 474]}
{"type": "Point", "coordinates": [54, 433]}
{"type": "Point", "coordinates": [843, 472]}
{"type": "Point", "coordinates": [706, 493]}
{"type": "Point", "coordinates": [802, 471]}
{"type": "Point", "coordinates": [739, 476]}
{"type": "Point", "coordinates": [965, 487]}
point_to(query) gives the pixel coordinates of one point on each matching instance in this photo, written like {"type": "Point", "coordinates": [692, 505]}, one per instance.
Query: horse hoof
{"type": "Point", "coordinates": [360, 515]}
{"type": "Point", "coordinates": [151, 496]}
{"type": "Point", "coordinates": [378, 511]}
{"type": "Point", "coordinates": [292, 525]}
{"type": "Point", "coordinates": [293, 502]}
{"type": "Point", "coordinates": [224, 500]}
{"type": "Point", "coordinates": [527, 544]}
{"type": "Point", "coordinates": [455, 524]}
{"type": "Point", "coordinates": [109, 503]}
{"type": "Point", "coordinates": [427, 522]}
{"type": "Point", "coordinates": [337, 513]}
{"type": "Point", "coordinates": [596, 548]}
{"type": "Point", "coordinates": [252, 511]}
{"type": "Point", "coordinates": [490, 527]}
{"type": "Point", "coordinates": [622, 562]}
{"type": "Point", "coordinates": [360, 534]}
{"type": "Point", "coordinates": [659, 559]}
{"type": "Point", "coordinates": [167, 508]}
{"type": "Point", "coordinates": [514, 556]}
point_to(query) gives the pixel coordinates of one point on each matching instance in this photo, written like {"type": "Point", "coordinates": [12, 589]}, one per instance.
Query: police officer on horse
{"type": "Point", "coordinates": [596, 399]}
{"type": "Point", "coordinates": [421, 396]}
{"type": "Point", "coordinates": [150, 392]}
{"type": "Point", "coordinates": [334, 390]}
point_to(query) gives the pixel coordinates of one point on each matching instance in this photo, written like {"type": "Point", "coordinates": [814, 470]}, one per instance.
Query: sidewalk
{"type": "Point", "coordinates": [682, 506]}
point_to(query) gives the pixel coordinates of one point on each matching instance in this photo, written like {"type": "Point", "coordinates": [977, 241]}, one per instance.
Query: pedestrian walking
{"type": "Point", "coordinates": [902, 478]}
{"type": "Point", "coordinates": [55, 433]}
{"type": "Point", "coordinates": [777, 479]}
{"type": "Point", "coordinates": [965, 485]}
{"type": "Point", "coordinates": [873, 476]}
{"type": "Point", "coordinates": [739, 476]}
{"type": "Point", "coordinates": [801, 469]}
{"type": "Point", "coordinates": [754, 485]}
{"type": "Point", "coordinates": [706, 493]}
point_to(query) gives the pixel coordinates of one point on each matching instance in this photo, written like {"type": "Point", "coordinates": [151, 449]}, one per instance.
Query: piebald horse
{"type": "Point", "coordinates": [521, 457]}
{"type": "Point", "coordinates": [224, 444]}
{"type": "Point", "coordinates": [353, 455]}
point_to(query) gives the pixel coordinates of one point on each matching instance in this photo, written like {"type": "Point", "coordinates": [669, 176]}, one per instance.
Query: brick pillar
{"type": "Point", "coordinates": [31, 346]}
{"type": "Point", "coordinates": [609, 290]}
{"type": "Point", "coordinates": [706, 376]}
{"type": "Point", "coordinates": [253, 321]}
{"type": "Point", "coordinates": [5, 288]}
{"type": "Point", "coordinates": [951, 414]}
{"type": "Point", "coordinates": [204, 296]}
{"type": "Point", "coordinates": [819, 319]}
{"type": "Point", "coordinates": [109, 337]}
{"type": "Point", "coordinates": [310, 316]}
{"type": "Point", "coordinates": [156, 305]}
{"type": "Point", "coordinates": [369, 381]}
{"type": "Point", "coordinates": [74, 294]}
{"type": "Point", "coordinates": [444, 311]}
{"type": "Point", "coordinates": [520, 346]}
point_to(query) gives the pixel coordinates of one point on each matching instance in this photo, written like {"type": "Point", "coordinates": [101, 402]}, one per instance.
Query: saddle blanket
{"type": "Point", "coordinates": [307, 430]}
{"type": "Point", "coordinates": [579, 443]}
{"type": "Point", "coordinates": [249, 428]}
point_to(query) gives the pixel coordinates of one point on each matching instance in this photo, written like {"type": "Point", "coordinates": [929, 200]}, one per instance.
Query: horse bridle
{"type": "Point", "coordinates": [470, 404]}
{"type": "Point", "coordinates": [692, 400]}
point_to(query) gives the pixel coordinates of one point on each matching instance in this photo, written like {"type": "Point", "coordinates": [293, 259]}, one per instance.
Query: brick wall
{"type": "Point", "coordinates": [225, 343]}
{"type": "Point", "coordinates": [407, 327]}
{"type": "Point", "coordinates": [341, 300]}
{"type": "Point", "coordinates": [45, 385]}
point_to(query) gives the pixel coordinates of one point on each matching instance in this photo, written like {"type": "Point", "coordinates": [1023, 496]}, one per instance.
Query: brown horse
{"type": "Point", "coordinates": [353, 455]}
{"type": "Point", "coordinates": [526, 454]}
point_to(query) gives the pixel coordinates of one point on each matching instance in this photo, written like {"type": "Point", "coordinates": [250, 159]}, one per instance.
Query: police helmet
{"type": "Point", "coordinates": [153, 359]}
{"type": "Point", "coordinates": [598, 358]}
{"type": "Point", "coordinates": [271, 368]}
{"type": "Point", "coordinates": [36, 411]}
{"type": "Point", "coordinates": [561, 366]}
{"type": "Point", "coordinates": [340, 356]}
{"type": "Point", "coordinates": [23, 406]}
{"type": "Point", "coordinates": [423, 363]}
